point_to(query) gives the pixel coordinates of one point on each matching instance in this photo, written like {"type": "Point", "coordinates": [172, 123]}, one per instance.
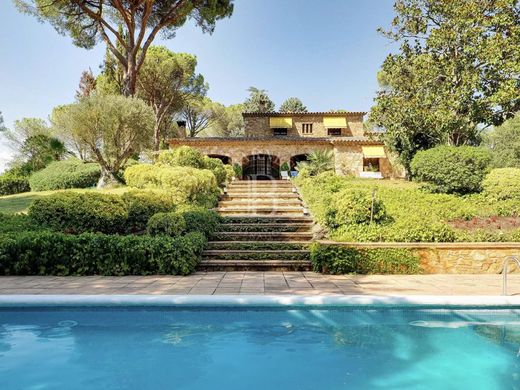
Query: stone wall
{"type": "Point", "coordinates": [454, 258]}
{"type": "Point", "coordinates": [258, 126]}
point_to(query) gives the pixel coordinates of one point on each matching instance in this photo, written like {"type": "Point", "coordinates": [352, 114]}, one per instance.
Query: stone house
{"type": "Point", "coordinates": [274, 138]}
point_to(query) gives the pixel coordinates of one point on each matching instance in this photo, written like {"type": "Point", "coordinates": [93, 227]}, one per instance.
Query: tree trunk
{"type": "Point", "coordinates": [156, 136]}
{"type": "Point", "coordinates": [130, 78]}
{"type": "Point", "coordinates": [107, 179]}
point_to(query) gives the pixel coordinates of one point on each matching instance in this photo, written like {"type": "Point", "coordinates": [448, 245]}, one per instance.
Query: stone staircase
{"type": "Point", "coordinates": [264, 228]}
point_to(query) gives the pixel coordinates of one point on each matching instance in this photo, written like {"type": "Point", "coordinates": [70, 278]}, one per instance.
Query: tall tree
{"type": "Point", "coordinates": [112, 127]}
{"type": "Point", "coordinates": [456, 72]}
{"type": "Point", "coordinates": [87, 84]}
{"type": "Point", "coordinates": [293, 104]}
{"type": "Point", "coordinates": [198, 114]}
{"type": "Point", "coordinates": [88, 21]}
{"type": "Point", "coordinates": [165, 82]}
{"type": "Point", "coordinates": [2, 125]}
{"type": "Point", "coordinates": [258, 101]}
{"type": "Point", "coordinates": [227, 121]}
{"type": "Point", "coordinates": [504, 143]}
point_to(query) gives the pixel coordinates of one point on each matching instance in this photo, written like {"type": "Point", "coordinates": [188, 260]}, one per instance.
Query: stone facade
{"type": "Point", "coordinates": [454, 258]}
{"type": "Point", "coordinates": [261, 140]}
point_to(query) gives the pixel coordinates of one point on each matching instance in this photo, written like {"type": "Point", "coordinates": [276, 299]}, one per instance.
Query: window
{"type": "Point", "coordinates": [279, 131]}
{"type": "Point", "coordinates": [370, 165]}
{"type": "Point", "coordinates": [334, 132]}
{"type": "Point", "coordinates": [306, 128]}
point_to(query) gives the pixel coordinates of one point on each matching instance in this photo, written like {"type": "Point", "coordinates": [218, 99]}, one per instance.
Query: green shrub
{"type": "Point", "coordinates": [186, 185]}
{"type": "Point", "coordinates": [141, 205]}
{"type": "Point", "coordinates": [12, 223]}
{"type": "Point", "coordinates": [200, 220]}
{"type": "Point", "coordinates": [170, 224]}
{"type": "Point", "coordinates": [51, 253]}
{"type": "Point", "coordinates": [450, 169]}
{"type": "Point", "coordinates": [502, 184]}
{"type": "Point", "coordinates": [238, 170]}
{"type": "Point", "coordinates": [335, 259]}
{"type": "Point", "coordinates": [230, 172]}
{"type": "Point", "coordinates": [72, 173]}
{"type": "Point", "coordinates": [217, 167]}
{"type": "Point", "coordinates": [284, 166]}
{"type": "Point", "coordinates": [183, 156]}
{"type": "Point", "coordinates": [73, 212]}
{"type": "Point", "coordinates": [11, 183]}
{"type": "Point", "coordinates": [354, 207]}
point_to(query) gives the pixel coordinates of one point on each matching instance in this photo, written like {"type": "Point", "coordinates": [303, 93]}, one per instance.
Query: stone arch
{"type": "Point", "coordinates": [261, 167]}
{"type": "Point", "coordinates": [296, 159]}
{"type": "Point", "coordinates": [225, 159]}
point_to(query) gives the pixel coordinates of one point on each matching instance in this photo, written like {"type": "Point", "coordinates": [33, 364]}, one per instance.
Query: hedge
{"type": "Point", "coordinates": [50, 253]}
{"type": "Point", "coordinates": [186, 184]}
{"type": "Point", "coordinates": [451, 169]}
{"type": "Point", "coordinates": [11, 183]}
{"type": "Point", "coordinates": [502, 184]}
{"type": "Point", "coordinates": [336, 260]}
{"type": "Point", "coordinates": [72, 173]}
{"type": "Point", "coordinates": [171, 224]}
{"type": "Point", "coordinates": [74, 212]}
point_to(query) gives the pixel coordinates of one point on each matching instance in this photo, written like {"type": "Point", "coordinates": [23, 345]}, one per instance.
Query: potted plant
{"type": "Point", "coordinates": [238, 170]}
{"type": "Point", "coordinates": [284, 170]}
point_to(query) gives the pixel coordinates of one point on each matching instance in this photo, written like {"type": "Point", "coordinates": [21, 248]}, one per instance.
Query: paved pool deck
{"type": "Point", "coordinates": [262, 283]}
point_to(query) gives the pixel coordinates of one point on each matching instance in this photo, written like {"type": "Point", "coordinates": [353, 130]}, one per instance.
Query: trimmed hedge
{"type": "Point", "coordinates": [355, 207]}
{"type": "Point", "coordinates": [74, 212]}
{"type": "Point", "coordinates": [170, 224]}
{"type": "Point", "coordinates": [11, 183]}
{"type": "Point", "coordinates": [14, 223]}
{"type": "Point", "coordinates": [72, 173]}
{"type": "Point", "coordinates": [183, 156]}
{"type": "Point", "coordinates": [201, 220]}
{"type": "Point", "coordinates": [50, 253]}
{"type": "Point", "coordinates": [337, 260]}
{"type": "Point", "coordinates": [502, 184]}
{"type": "Point", "coordinates": [451, 169]}
{"type": "Point", "coordinates": [186, 184]}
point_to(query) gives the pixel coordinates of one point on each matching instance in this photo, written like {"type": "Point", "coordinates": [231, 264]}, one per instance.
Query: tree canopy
{"type": "Point", "coordinates": [258, 101]}
{"type": "Point", "coordinates": [456, 72]}
{"type": "Point", "coordinates": [293, 104]}
{"type": "Point", "coordinates": [111, 127]}
{"type": "Point", "coordinates": [504, 143]}
{"type": "Point", "coordinates": [90, 21]}
{"type": "Point", "coordinates": [166, 81]}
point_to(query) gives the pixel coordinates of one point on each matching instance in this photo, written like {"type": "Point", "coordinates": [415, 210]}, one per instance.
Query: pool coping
{"type": "Point", "coordinates": [208, 301]}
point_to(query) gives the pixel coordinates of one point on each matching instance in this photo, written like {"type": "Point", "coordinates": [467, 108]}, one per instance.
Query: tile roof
{"type": "Point", "coordinates": [324, 113]}
{"type": "Point", "coordinates": [281, 139]}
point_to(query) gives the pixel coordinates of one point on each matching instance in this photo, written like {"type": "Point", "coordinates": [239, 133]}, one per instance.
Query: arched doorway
{"type": "Point", "coordinates": [224, 159]}
{"type": "Point", "coordinates": [296, 159]}
{"type": "Point", "coordinates": [261, 167]}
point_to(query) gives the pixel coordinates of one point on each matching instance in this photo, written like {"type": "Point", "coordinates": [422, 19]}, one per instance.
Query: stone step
{"type": "Point", "coordinates": [248, 254]}
{"type": "Point", "coordinates": [260, 202]}
{"type": "Point", "coordinates": [263, 236]}
{"type": "Point", "coordinates": [271, 209]}
{"type": "Point", "coordinates": [265, 227]}
{"type": "Point", "coordinates": [259, 190]}
{"type": "Point", "coordinates": [263, 219]}
{"type": "Point", "coordinates": [261, 183]}
{"type": "Point", "coordinates": [254, 265]}
{"type": "Point", "coordinates": [256, 195]}
{"type": "Point", "coordinates": [258, 245]}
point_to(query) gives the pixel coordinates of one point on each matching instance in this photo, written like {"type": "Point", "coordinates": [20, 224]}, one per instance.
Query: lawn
{"type": "Point", "coordinates": [19, 203]}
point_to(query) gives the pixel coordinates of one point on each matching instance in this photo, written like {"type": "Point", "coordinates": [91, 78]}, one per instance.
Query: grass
{"type": "Point", "coordinates": [19, 203]}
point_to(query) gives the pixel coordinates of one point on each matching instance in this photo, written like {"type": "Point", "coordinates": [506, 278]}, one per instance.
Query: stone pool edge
{"type": "Point", "coordinates": [260, 300]}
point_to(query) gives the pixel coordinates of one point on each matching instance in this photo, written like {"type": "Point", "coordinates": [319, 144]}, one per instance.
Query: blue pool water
{"type": "Point", "coordinates": [224, 348]}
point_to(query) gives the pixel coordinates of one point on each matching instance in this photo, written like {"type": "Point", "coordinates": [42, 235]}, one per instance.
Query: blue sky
{"type": "Point", "coordinates": [327, 53]}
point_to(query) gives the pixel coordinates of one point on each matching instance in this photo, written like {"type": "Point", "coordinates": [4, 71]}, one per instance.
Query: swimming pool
{"type": "Point", "coordinates": [231, 343]}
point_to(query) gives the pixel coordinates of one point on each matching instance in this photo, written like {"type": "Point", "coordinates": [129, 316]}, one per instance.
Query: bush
{"type": "Point", "coordinates": [354, 207]}
{"type": "Point", "coordinates": [11, 183]}
{"type": "Point", "coordinates": [73, 212]}
{"type": "Point", "coordinates": [72, 173]}
{"type": "Point", "coordinates": [170, 224]}
{"type": "Point", "coordinates": [183, 156]}
{"type": "Point", "coordinates": [502, 184]}
{"type": "Point", "coordinates": [200, 220]}
{"type": "Point", "coordinates": [12, 223]}
{"type": "Point", "coordinates": [230, 172]}
{"type": "Point", "coordinates": [335, 259]}
{"type": "Point", "coordinates": [450, 169]}
{"type": "Point", "coordinates": [50, 253]}
{"type": "Point", "coordinates": [141, 205]}
{"type": "Point", "coordinates": [186, 185]}
{"type": "Point", "coordinates": [217, 167]}
{"type": "Point", "coordinates": [238, 170]}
